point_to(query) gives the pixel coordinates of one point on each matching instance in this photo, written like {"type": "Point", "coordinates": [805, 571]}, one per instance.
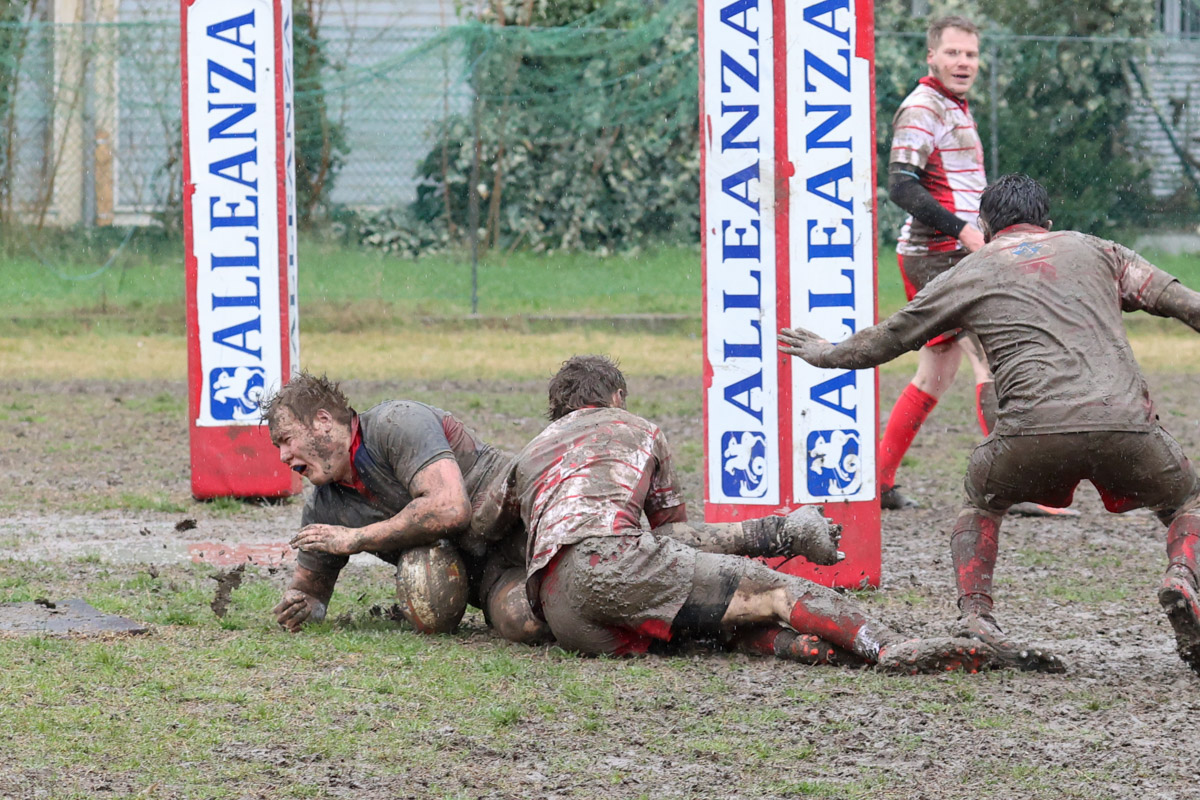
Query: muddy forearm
{"type": "Point", "coordinates": [423, 521]}
{"type": "Point", "coordinates": [314, 583]}
{"type": "Point", "coordinates": [869, 347]}
{"type": "Point", "coordinates": [1180, 302]}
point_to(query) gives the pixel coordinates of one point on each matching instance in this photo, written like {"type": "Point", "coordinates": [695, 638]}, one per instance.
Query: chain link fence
{"type": "Point", "coordinates": [90, 117]}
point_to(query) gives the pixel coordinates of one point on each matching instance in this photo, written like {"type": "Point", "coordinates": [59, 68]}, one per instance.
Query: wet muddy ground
{"type": "Point", "coordinates": [97, 471]}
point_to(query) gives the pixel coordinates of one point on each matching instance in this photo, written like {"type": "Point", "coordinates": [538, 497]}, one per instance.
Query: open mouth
{"type": "Point", "coordinates": [300, 469]}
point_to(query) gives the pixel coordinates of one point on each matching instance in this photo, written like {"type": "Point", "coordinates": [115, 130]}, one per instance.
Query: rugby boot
{"type": "Point", "coordinates": [892, 499]}
{"type": "Point", "coordinates": [983, 628]}
{"type": "Point", "coordinates": [935, 655]}
{"type": "Point", "coordinates": [1037, 510]}
{"type": "Point", "coordinates": [808, 532]}
{"type": "Point", "coordinates": [1178, 597]}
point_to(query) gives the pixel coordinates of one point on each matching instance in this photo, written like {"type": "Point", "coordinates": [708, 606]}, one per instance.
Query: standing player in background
{"type": "Point", "coordinates": [936, 174]}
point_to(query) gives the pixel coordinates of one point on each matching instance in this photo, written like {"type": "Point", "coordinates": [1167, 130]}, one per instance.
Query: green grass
{"type": "Point", "coordinates": [54, 288]}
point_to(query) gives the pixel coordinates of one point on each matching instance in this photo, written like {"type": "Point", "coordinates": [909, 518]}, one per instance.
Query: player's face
{"type": "Point", "coordinates": [955, 62]}
{"type": "Point", "coordinates": [314, 451]}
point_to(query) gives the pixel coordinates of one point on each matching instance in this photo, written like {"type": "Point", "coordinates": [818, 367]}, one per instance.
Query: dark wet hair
{"type": "Point", "coordinates": [933, 36]}
{"type": "Point", "coordinates": [304, 395]}
{"type": "Point", "coordinates": [584, 381]}
{"type": "Point", "coordinates": [1014, 199]}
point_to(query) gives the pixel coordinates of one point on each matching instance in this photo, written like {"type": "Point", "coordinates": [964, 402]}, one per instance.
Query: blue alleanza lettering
{"type": "Point", "coordinates": [742, 122]}
{"type": "Point", "coordinates": [232, 125]}
{"type": "Point", "coordinates": [843, 382]}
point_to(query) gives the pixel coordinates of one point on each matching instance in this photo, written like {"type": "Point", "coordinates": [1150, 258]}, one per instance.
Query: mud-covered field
{"type": "Point", "coordinates": [94, 480]}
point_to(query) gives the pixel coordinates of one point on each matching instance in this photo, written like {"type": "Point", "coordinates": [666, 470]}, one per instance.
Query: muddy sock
{"type": "Point", "coordinates": [837, 620]}
{"type": "Point", "coordinates": [910, 412]}
{"type": "Point", "coordinates": [748, 538]}
{"type": "Point", "coordinates": [973, 547]}
{"type": "Point", "coordinates": [986, 406]}
{"type": "Point", "coordinates": [1183, 539]}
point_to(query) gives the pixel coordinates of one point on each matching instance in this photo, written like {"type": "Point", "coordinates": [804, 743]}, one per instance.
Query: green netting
{"type": "Point", "coordinates": [533, 133]}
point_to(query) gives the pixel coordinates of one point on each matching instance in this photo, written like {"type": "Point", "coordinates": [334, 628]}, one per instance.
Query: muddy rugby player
{"type": "Point", "coordinates": [1073, 403]}
{"type": "Point", "coordinates": [607, 585]}
{"type": "Point", "coordinates": [397, 481]}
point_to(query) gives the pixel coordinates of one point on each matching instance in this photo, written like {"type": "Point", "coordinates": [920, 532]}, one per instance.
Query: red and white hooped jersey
{"type": "Point", "coordinates": [934, 131]}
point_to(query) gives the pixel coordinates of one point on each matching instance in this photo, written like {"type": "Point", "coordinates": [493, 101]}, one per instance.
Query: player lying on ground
{"type": "Point", "coordinates": [1074, 405]}
{"type": "Point", "coordinates": [398, 481]}
{"type": "Point", "coordinates": [605, 584]}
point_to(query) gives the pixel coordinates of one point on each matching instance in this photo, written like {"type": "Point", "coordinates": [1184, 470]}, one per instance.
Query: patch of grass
{"type": "Point", "coordinates": [132, 501]}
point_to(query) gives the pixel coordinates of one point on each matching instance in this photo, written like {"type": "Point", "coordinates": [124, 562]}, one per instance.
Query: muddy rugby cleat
{"type": "Point", "coordinates": [983, 628]}
{"type": "Point", "coordinates": [895, 500]}
{"type": "Point", "coordinates": [808, 532]}
{"type": "Point", "coordinates": [935, 655]}
{"type": "Point", "coordinates": [1178, 597]}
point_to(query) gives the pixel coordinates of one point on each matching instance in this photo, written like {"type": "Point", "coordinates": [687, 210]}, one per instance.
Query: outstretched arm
{"type": "Point", "coordinates": [869, 347]}
{"type": "Point", "coordinates": [1180, 302]}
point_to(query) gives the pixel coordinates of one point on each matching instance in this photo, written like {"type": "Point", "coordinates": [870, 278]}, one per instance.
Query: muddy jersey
{"type": "Point", "coordinates": [399, 439]}
{"type": "Point", "coordinates": [591, 473]}
{"type": "Point", "coordinates": [934, 131]}
{"type": "Point", "coordinates": [1047, 309]}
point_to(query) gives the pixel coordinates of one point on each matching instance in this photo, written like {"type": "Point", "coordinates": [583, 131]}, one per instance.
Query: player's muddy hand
{"type": "Point", "coordinates": [296, 608]}
{"type": "Point", "coordinates": [333, 539]}
{"type": "Point", "coordinates": [805, 344]}
{"type": "Point", "coordinates": [808, 532]}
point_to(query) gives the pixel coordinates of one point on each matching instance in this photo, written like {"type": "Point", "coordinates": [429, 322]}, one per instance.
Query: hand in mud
{"type": "Point", "coordinates": [805, 344]}
{"type": "Point", "coordinates": [296, 608]}
{"type": "Point", "coordinates": [333, 539]}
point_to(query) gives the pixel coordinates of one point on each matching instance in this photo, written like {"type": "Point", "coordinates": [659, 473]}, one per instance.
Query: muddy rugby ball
{"type": "Point", "coordinates": [431, 586]}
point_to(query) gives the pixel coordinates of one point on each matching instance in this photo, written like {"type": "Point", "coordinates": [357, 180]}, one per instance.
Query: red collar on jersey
{"type": "Point", "coordinates": [940, 88]}
{"type": "Point", "coordinates": [1022, 227]}
{"type": "Point", "coordinates": [355, 443]}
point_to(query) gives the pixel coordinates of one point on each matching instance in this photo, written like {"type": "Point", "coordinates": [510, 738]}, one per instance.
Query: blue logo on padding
{"type": "Point", "coordinates": [834, 466]}
{"type": "Point", "coordinates": [743, 464]}
{"type": "Point", "coordinates": [235, 392]}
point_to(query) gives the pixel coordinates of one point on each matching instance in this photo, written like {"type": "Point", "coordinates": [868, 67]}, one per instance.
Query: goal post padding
{"type": "Point", "coordinates": [789, 238]}
{"type": "Point", "coordinates": [239, 238]}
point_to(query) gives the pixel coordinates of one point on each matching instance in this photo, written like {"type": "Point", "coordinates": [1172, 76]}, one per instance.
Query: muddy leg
{"type": "Point", "coordinates": [804, 532]}
{"type": "Point", "coordinates": [509, 612]}
{"type": "Point", "coordinates": [764, 596]}
{"type": "Point", "coordinates": [974, 546]}
{"type": "Point", "coordinates": [1179, 596]}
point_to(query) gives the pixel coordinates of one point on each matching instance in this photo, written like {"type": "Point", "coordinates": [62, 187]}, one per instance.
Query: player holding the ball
{"type": "Point", "coordinates": [399, 481]}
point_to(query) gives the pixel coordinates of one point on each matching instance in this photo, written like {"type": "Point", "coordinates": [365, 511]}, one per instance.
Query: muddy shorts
{"type": "Point", "coordinates": [616, 594]}
{"type": "Point", "coordinates": [920, 270]}
{"type": "Point", "coordinates": [1130, 470]}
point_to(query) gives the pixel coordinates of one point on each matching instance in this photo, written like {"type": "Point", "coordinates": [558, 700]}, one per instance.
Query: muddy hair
{"type": "Point", "coordinates": [584, 381]}
{"type": "Point", "coordinates": [304, 395]}
{"type": "Point", "coordinates": [933, 36]}
{"type": "Point", "coordinates": [1014, 199]}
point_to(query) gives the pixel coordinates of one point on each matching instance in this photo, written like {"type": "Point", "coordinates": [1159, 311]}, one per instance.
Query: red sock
{"type": "Point", "coordinates": [973, 548]}
{"type": "Point", "coordinates": [1183, 539]}
{"type": "Point", "coordinates": [910, 412]}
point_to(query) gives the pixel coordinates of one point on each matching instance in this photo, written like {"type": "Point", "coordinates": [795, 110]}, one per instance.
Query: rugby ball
{"type": "Point", "coordinates": [431, 586]}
